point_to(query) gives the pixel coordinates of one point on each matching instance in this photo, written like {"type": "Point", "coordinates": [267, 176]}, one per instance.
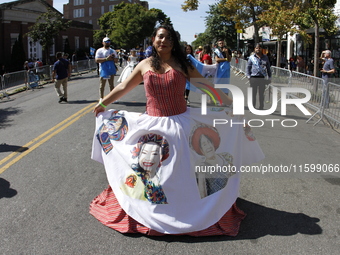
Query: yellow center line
{"type": "Point", "coordinates": [64, 124]}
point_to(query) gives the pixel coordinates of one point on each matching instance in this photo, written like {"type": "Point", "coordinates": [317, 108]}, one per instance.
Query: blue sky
{"type": "Point", "coordinates": [186, 23]}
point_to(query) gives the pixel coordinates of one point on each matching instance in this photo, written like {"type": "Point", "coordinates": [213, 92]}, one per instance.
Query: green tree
{"type": "Point", "coordinates": [281, 16]}
{"type": "Point", "coordinates": [129, 24]}
{"type": "Point", "coordinates": [202, 39]}
{"type": "Point", "coordinates": [244, 13]}
{"type": "Point", "coordinates": [319, 14]}
{"type": "Point", "coordinates": [219, 27]}
{"type": "Point", "coordinates": [48, 25]}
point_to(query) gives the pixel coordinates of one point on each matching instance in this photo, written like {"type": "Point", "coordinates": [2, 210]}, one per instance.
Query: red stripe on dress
{"type": "Point", "coordinates": [165, 93]}
{"type": "Point", "coordinates": [106, 209]}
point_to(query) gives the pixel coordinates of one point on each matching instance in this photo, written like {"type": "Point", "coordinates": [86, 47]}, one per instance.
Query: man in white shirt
{"type": "Point", "coordinates": [106, 57]}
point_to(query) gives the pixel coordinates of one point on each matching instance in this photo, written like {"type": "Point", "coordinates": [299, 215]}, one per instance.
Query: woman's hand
{"type": "Point", "coordinates": [98, 109]}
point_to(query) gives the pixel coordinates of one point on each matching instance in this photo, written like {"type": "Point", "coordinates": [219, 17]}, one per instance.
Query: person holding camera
{"type": "Point", "coordinates": [106, 57]}
{"type": "Point", "coordinates": [258, 73]}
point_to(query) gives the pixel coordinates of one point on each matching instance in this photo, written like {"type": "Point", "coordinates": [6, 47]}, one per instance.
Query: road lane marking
{"type": "Point", "coordinates": [47, 135]}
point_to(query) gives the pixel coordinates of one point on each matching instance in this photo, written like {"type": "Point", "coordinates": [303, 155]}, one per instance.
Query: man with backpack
{"type": "Point", "coordinates": [61, 72]}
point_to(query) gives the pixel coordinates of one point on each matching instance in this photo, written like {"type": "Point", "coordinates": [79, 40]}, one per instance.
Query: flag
{"type": "Point", "coordinates": [220, 72]}
{"type": "Point", "coordinates": [92, 50]}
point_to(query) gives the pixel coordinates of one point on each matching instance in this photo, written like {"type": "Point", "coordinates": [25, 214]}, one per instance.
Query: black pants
{"type": "Point", "coordinates": [258, 84]}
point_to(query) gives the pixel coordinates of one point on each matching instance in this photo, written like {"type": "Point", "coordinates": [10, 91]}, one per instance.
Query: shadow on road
{"type": "Point", "coordinates": [132, 103]}
{"type": "Point", "coordinates": [6, 147]}
{"type": "Point", "coordinates": [259, 222]}
{"type": "Point", "coordinates": [5, 190]}
{"type": "Point", "coordinates": [5, 113]}
{"type": "Point", "coordinates": [81, 101]}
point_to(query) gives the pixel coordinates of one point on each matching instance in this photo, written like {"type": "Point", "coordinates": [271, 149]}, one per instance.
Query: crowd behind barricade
{"type": "Point", "coordinates": [296, 73]}
{"type": "Point", "coordinates": [293, 72]}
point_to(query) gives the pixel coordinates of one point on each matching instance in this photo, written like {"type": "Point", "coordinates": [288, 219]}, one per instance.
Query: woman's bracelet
{"type": "Point", "coordinates": [101, 103]}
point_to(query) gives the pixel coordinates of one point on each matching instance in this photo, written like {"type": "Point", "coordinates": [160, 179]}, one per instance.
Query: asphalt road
{"type": "Point", "coordinates": [46, 188]}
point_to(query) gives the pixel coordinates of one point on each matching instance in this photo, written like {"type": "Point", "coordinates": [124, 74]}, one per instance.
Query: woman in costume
{"type": "Point", "coordinates": [167, 115]}
{"type": "Point", "coordinates": [132, 62]}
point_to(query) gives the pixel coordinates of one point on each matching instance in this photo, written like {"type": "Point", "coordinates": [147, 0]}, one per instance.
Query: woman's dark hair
{"type": "Point", "coordinates": [206, 50]}
{"type": "Point", "coordinates": [176, 52]}
{"type": "Point", "coordinates": [191, 49]}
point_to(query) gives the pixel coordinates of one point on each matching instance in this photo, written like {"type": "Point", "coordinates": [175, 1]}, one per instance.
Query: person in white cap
{"type": "Point", "coordinates": [106, 57]}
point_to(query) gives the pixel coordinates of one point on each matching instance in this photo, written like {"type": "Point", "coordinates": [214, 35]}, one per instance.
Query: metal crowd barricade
{"type": "Point", "coordinates": [43, 72]}
{"type": "Point", "coordinates": [3, 92]}
{"type": "Point", "coordinates": [280, 78]}
{"type": "Point", "coordinates": [325, 100]}
{"type": "Point", "coordinates": [315, 86]}
{"type": "Point", "coordinates": [239, 68]}
{"type": "Point", "coordinates": [85, 65]}
{"type": "Point", "coordinates": [330, 105]}
{"type": "Point", "coordinates": [15, 80]}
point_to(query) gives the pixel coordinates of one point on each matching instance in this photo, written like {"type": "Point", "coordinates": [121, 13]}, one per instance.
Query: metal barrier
{"type": "Point", "coordinates": [86, 65]}
{"type": "Point", "coordinates": [313, 84]}
{"type": "Point", "coordinates": [330, 105]}
{"type": "Point", "coordinates": [2, 90]}
{"type": "Point", "coordinates": [15, 80]}
{"type": "Point", "coordinates": [36, 76]}
{"type": "Point", "coordinates": [325, 98]}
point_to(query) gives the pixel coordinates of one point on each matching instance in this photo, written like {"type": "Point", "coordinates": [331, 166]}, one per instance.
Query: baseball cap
{"type": "Point", "coordinates": [106, 39]}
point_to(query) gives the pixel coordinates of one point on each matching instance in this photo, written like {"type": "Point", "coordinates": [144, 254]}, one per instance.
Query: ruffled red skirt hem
{"type": "Point", "coordinates": [106, 209]}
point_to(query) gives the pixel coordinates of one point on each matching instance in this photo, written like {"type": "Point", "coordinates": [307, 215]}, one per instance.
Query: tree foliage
{"type": "Point", "coordinates": [281, 17]}
{"type": "Point", "coordinates": [190, 5]}
{"type": "Point", "coordinates": [129, 24]}
{"type": "Point", "coordinates": [48, 25]}
{"type": "Point", "coordinates": [220, 27]}
{"type": "Point", "coordinates": [245, 13]}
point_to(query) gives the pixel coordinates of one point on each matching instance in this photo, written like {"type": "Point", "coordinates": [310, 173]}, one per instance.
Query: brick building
{"type": "Point", "coordinates": [15, 19]}
{"type": "Point", "coordinates": [89, 11]}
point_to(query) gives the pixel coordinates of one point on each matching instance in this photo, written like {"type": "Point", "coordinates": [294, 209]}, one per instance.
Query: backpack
{"type": "Point", "coordinates": [40, 63]}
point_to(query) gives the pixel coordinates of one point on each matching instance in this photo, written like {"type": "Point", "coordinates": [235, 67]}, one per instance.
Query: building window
{"type": "Point", "coordinates": [77, 13]}
{"type": "Point", "coordinates": [90, 11]}
{"type": "Point", "coordinates": [52, 49]}
{"type": "Point", "coordinates": [87, 42]}
{"type": "Point", "coordinates": [14, 37]}
{"type": "Point", "coordinates": [78, 2]}
{"type": "Point", "coordinates": [65, 39]}
{"type": "Point", "coordinates": [90, 21]}
{"type": "Point", "coordinates": [111, 7]}
{"type": "Point", "coordinates": [90, 1]}
{"type": "Point", "coordinates": [102, 10]}
{"type": "Point", "coordinates": [76, 42]}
